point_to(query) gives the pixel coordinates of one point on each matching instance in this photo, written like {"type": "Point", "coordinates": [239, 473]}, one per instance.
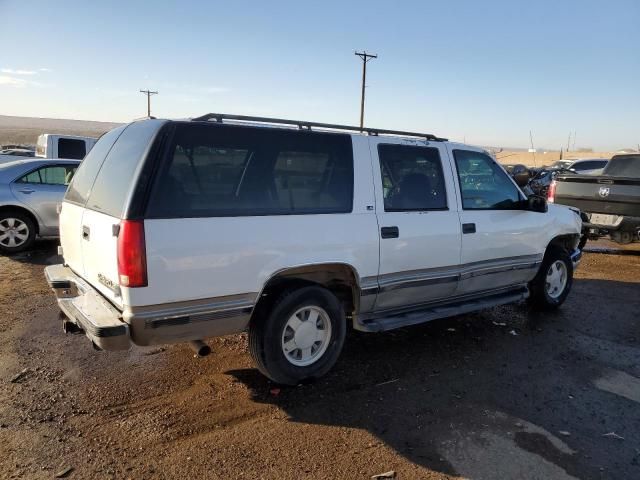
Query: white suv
{"type": "Point", "coordinates": [175, 231]}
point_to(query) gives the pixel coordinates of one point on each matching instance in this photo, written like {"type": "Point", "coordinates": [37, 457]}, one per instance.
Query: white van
{"type": "Point", "coordinates": [70, 147]}
{"type": "Point", "coordinates": [175, 231]}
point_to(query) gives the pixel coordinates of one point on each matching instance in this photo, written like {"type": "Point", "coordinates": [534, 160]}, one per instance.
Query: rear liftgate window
{"type": "Point", "coordinates": [82, 182]}
{"type": "Point", "coordinates": [71, 148]}
{"type": "Point", "coordinates": [221, 170]}
{"type": "Point", "coordinates": [113, 186]}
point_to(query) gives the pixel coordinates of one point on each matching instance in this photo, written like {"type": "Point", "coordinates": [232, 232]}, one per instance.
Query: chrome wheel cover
{"type": "Point", "coordinates": [556, 280]}
{"type": "Point", "coordinates": [13, 232]}
{"type": "Point", "coordinates": [306, 336]}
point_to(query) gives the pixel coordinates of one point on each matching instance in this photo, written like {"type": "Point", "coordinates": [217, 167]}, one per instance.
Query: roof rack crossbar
{"type": "Point", "coordinates": [304, 125]}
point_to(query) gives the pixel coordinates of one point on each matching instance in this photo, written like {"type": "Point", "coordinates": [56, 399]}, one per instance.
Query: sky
{"type": "Point", "coordinates": [486, 72]}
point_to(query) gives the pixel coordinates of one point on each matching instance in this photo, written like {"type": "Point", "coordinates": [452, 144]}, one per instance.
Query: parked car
{"type": "Point", "coordinates": [584, 166]}
{"type": "Point", "coordinates": [536, 180]}
{"type": "Point", "coordinates": [610, 202]}
{"type": "Point", "coordinates": [175, 231]}
{"type": "Point", "coordinates": [30, 190]}
{"type": "Point", "coordinates": [73, 147]}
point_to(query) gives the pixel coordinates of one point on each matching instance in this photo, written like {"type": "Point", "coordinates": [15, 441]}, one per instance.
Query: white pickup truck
{"type": "Point", "coordinates": [176, 231]}
{"type": "Point", "coordinates": [72, 147]}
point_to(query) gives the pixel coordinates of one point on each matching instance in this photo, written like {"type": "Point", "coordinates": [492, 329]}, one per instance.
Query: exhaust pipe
{"type": "Point", "coordinates": [200, 348]}
{"type": "Point", "coordinates": [69, 327]}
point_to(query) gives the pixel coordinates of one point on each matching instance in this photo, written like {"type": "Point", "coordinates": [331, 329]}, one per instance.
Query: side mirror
{"type": "Point", "coordinates": [521, 175]}
{"type": "Point", "coordinates": [536, 203]}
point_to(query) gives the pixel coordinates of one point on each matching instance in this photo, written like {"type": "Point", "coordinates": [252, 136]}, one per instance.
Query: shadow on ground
{"type": "Point", "coordinates": [501, 393]}
{"type": "Point", "coordinates": [44, 252]}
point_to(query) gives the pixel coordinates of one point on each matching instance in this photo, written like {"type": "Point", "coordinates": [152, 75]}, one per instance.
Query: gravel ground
{"type": "Point", "coordinates": [503, 393]}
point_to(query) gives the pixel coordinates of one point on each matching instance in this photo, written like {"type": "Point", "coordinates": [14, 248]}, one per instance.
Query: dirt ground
{"type": "Point", "coordinates": [503, 393]}
{"type": "Point", "coordinates": [25, 130]}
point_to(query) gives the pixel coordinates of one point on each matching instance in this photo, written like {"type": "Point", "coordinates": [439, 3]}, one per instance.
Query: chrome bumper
{"type": "Point", "coordinates": [100, 321]}
{"type": "Point", "coordinates": [110, 329]}
{"type": "Point", "coordinates": [576, 256]}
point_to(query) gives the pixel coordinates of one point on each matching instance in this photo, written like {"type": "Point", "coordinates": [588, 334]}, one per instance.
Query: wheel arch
{"type": "Point", "coordinates": [341, 279]}
{"type": "Point", "coordinates": [23, 210]}
{"type": "Point", "coordinates": [568, 242]}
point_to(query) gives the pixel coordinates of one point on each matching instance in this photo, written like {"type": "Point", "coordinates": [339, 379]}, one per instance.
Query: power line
{"type": "Point", "coordinates": [366, 57]}
{"type": "Point", "coordinates": [148, 93]}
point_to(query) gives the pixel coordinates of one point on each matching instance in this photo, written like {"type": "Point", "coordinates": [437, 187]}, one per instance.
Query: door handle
{"type": "Point", "coordinates": [389, 232]}
{"type": "Point", "coordinates": [468, 228]}
{"type": "Point", "coordinates": [86, 231]}
{"type": "Point", "coordinates": [26, 190]}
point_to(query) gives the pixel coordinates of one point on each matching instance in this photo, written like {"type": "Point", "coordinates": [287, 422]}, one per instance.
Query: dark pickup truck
{"type": "Point", "coordinates": [610, 203]}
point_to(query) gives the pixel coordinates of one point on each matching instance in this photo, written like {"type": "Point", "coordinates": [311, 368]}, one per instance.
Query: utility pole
{"type": "Point", "coordinates": [148, 93]}
{"type": "Point", "coordinates": [365, 58]}
{"type": "Point", "coordinates": [569, 142]}
{"type": "Point", "coordinates": [533, 149]}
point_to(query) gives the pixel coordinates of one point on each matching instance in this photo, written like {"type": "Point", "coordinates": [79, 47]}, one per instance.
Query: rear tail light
{"type": "Point", "coordinates": [132, 255]}
{"type": "Point", "coordinates": [551, 193]}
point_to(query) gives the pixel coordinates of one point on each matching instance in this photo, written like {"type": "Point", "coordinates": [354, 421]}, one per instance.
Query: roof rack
{"type": "Point", "coordinates": [303, 125]}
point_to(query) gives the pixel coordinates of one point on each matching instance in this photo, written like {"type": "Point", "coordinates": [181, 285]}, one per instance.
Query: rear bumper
{"type": "Point", "coordinates": [626, 223]}
{"type": "Point", "coordinates": [111, 329]}
{"type": "Point", "coordinates": [100, 321]}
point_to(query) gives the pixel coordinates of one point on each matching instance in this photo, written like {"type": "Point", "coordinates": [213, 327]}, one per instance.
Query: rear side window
{"type": "Point", "coordinates": [71, 148]}
{"type": "Point", "coordinates": [412, 178]}
{"type": "Point", "coordinates": [114, 182]}
{"type": "Point", "coordinates": [82, 182]}
{"type": "Point", "coordinates": [221, 170]}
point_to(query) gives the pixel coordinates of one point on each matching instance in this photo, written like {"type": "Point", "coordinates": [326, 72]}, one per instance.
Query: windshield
{"type": "Point", "coordinates": [623, 166]}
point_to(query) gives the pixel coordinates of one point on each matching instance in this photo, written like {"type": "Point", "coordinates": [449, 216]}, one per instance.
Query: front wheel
{"type": "Point", "coordinates": [552, 284]}
{"type": "Point", "coordinates": [300, 338]}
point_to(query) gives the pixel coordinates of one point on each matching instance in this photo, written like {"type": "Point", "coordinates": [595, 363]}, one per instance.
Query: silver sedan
{"type": "Point", "coordinates": [30, 190]}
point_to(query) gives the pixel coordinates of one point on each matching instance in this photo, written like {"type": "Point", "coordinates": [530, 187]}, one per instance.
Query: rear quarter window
{"type": "Point", "coordinates": [222, 170]}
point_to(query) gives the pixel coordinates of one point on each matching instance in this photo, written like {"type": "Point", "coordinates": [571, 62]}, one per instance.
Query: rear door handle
{"type": "Point", "coordinates": [85, 232]}
{"type": "Point", "coordinates": [26, 190]}
{"type": "Point", "coordinates": [389, 232]}
{"type": "Point", "coordinates": [468, 228]}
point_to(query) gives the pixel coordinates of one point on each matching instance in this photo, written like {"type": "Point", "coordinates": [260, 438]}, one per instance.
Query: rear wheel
{"type": "Point", "coordinates": [300, 338]}
{"type": "Point", "coordinates": [552, 284]}
{"type": "Point", "coordinates": [622, 237]}
{"type": "Point", "coordinates": [17, 232]}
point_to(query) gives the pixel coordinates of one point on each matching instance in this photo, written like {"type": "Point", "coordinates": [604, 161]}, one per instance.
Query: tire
{"type": "Point", "coordinates": [622, 237]}
{"type": "Point", "coordinates": [289, 356]}
{"type": "Point", "coordinates": [547, 293]}
{"type": "Point", "coordinates": [17, 232]}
